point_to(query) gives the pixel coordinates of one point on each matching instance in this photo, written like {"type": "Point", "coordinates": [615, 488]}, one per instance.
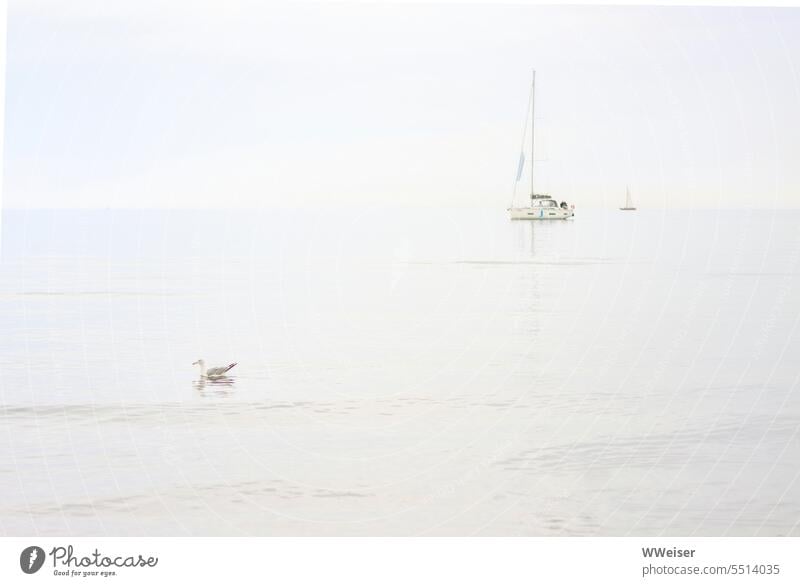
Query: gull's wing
{"type": "Point", "coordinates": [219, 370]}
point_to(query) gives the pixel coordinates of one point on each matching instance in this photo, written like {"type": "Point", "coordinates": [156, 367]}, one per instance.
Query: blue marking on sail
{"type": "Point", "coordinates": [521, 164]}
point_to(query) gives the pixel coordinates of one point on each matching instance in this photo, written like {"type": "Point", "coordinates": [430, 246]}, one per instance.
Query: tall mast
{"type": "Point", "coordinates": [533, 100]}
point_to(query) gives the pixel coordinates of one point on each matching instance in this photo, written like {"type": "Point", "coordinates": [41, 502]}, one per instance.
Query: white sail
{"type": "Point", "coordinates": [521, 165]}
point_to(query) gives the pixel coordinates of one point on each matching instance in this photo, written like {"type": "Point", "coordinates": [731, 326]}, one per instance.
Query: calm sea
{"type": "Point", "coordinates": [400, 371]}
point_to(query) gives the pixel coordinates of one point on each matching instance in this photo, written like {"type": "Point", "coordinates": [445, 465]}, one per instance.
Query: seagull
{"type": "Point", "coordinates": [216, 372]}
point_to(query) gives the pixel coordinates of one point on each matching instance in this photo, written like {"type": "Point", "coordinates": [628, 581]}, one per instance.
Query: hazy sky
{"type": "Point", "coordinates": [197, 104]}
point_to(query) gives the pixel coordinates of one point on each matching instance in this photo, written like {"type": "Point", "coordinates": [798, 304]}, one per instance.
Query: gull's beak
{"type": "Point", "coordinates": [195, 362]}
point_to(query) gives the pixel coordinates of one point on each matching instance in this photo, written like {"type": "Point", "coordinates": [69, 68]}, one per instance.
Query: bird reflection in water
{"type": "Point", "coordinates": [215, 387]}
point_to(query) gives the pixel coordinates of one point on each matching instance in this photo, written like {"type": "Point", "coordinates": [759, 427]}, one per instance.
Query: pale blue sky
{"type": "Point", "coordinates": [197, 105]}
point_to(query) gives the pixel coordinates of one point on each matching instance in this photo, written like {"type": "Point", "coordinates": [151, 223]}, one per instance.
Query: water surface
{"type": "Point", "coordinates": [401, 372]}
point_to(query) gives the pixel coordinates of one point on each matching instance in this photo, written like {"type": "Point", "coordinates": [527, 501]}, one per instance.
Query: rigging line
{"type": "Point", "coordinates": [522, 143]}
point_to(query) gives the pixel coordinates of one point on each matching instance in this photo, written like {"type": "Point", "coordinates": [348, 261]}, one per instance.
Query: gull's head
{"type": "Point", "coordinates": [200, 362]}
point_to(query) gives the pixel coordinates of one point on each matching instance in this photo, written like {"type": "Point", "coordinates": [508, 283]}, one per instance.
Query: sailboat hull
{"type": "Point", "coordinates": [554, 213]}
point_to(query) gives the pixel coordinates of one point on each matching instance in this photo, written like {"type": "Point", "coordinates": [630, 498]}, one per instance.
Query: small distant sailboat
{"type": "Point", "coordinates": [628, 201]}
{"type": "Point", "coordinates": [542, 206]}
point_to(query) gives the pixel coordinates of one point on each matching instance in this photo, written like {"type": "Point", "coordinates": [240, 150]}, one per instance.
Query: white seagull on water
{"type": "Point", "coordinates": [216, 372]}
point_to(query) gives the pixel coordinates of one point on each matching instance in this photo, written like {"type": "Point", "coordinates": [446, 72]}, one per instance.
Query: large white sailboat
{"type": "Point", "coordinates": [542, 206]}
